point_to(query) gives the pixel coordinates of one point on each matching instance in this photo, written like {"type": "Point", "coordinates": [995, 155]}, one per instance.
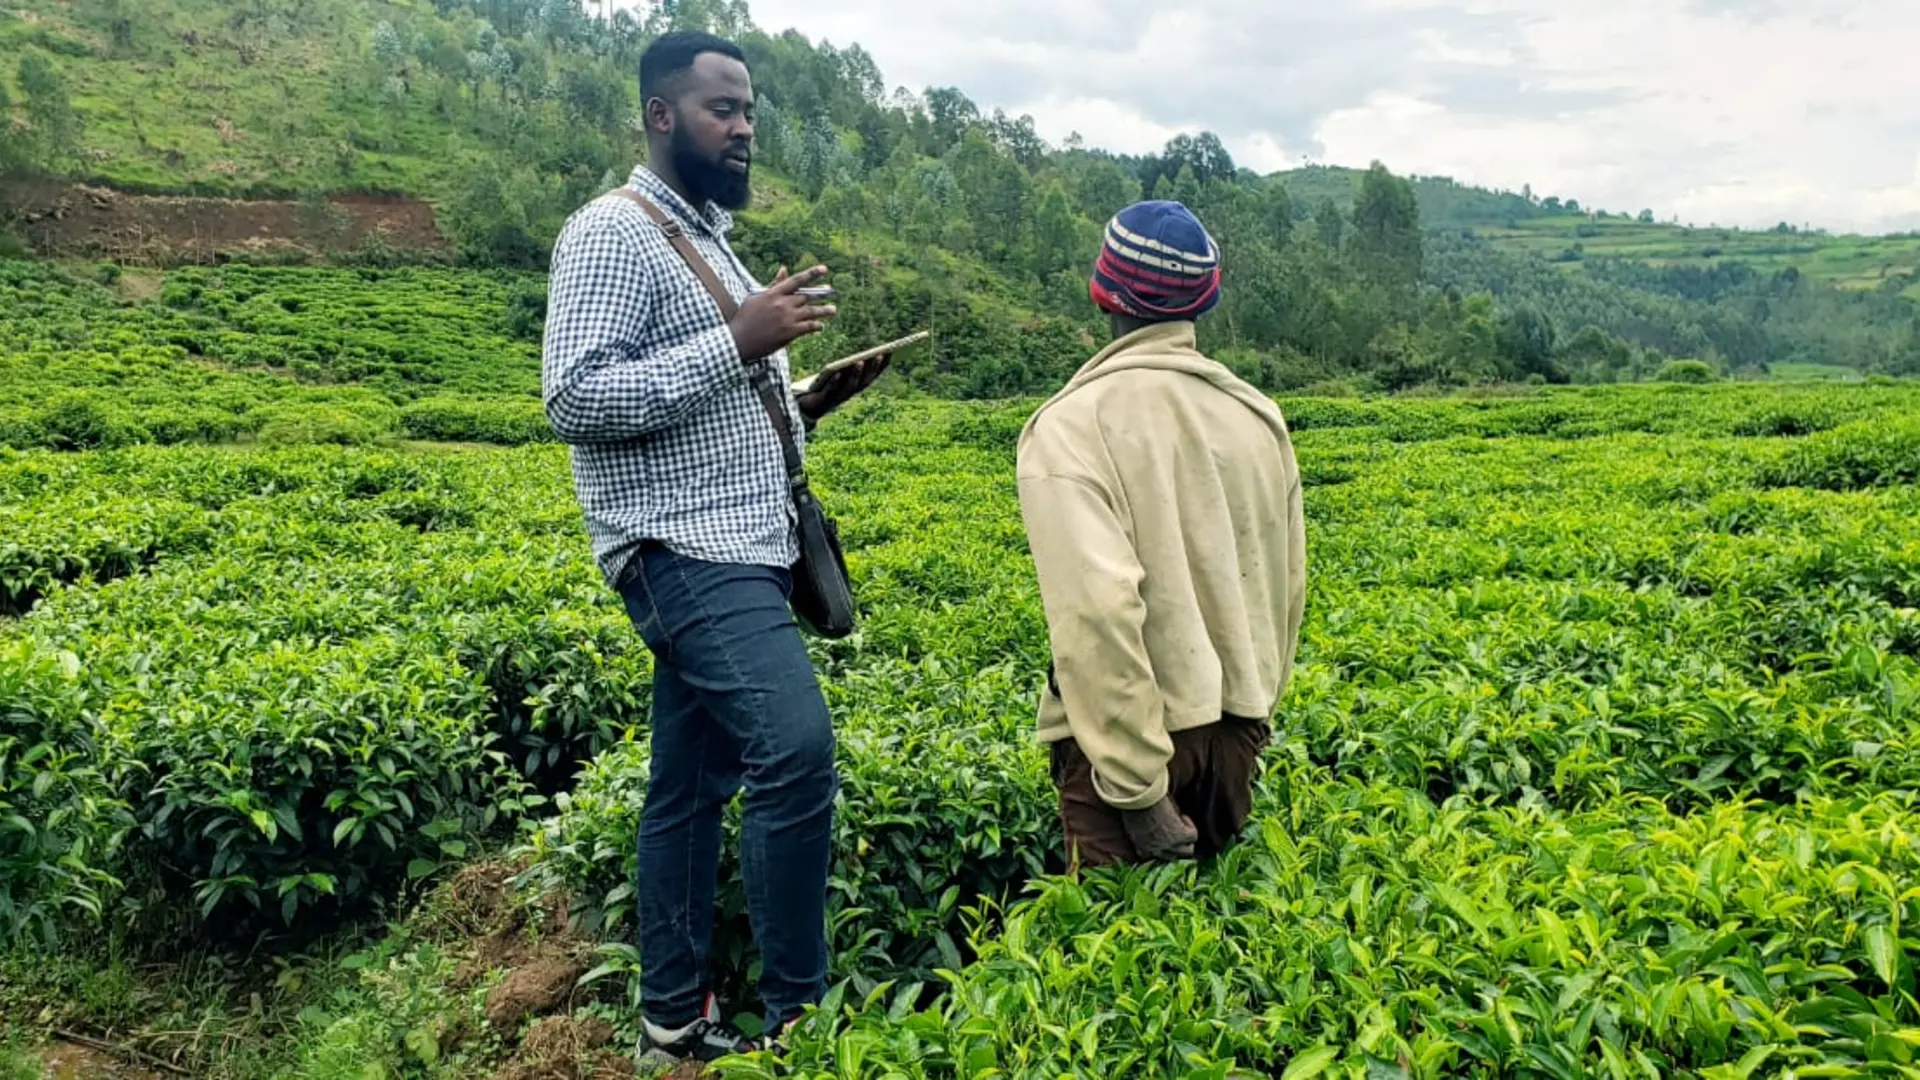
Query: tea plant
{"type": "Point", "coordinates": [1599, 759]}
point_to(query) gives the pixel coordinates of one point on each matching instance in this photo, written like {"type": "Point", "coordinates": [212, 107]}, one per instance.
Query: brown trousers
{"type": "Point", "coordinates": [1210, 779]}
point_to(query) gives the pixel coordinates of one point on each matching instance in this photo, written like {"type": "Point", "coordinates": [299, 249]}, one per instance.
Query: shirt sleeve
{"type": "Point", "coordinates": [1090, 582]}
{"type": "Point", "coordinates": [607, 375]}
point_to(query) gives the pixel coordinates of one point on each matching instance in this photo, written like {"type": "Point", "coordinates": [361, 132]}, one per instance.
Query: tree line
{"type": "Point", "coordinates": [938, 212]}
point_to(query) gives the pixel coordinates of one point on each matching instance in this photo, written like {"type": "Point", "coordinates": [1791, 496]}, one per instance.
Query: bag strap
{"type": "Point", "coordinates": [678, 238]}
{"type": "Point", "coordinates": [762, 378]}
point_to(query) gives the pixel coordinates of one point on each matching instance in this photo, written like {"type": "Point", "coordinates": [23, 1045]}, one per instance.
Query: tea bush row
{"type": "Point", "coordinates": [406, 332]}
{"type": "Point", "coordinates": [312, 678]}
{"type": "Point", "coordinates": [1501, 624]}
{"type": "Point", "coordinates": [339, 660]}
{"type": "Point", "coordinates": [1362, 930]}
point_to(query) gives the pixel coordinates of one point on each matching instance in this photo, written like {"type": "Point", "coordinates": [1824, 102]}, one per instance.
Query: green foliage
{"type": "Point", "coordinates": [1858, 456]}
{"type": "Point", "coordinates": [61, 821]}
{"type": "Point", "coordinates": [1864, 263]}
{"type": "Point", "coordinates": [508, 422]}
{"type": "Point", "coordinates": [18, 1062]}
{"type": "Point", "coordinates": [71, 537]}
{"type": "Point", "coordinates": [510, 115]}
{"type": "Point", "coordinates": [74, 422]}
{"type": "Point", "coordinates": [363, 697]}
{"type": "Point", "coordinates": [1685, 371]}
{"type": "Point", "coordinates": [1553, 630]}
{"type": "Point", "coordinates": [331, 97]}
{"type": "Point", "coordinates": [527, 312]}
{"type": "Point", "coordinates": [14, 152]}
{"type": "Point", "coordinates": [400, 1019]}
{"type": "Point", "coordinates": [1386, 228]}
{"type": "Point", "coordinates": [53, 128]}
{"type": "Point", "coordinates": [322, 424]}
{"type": "Point", "coordinates": [305, 770]}
{"type": "Point", "coordinates": [432, 354]}
{"type": "Point", "coordinates": [1366, 931]}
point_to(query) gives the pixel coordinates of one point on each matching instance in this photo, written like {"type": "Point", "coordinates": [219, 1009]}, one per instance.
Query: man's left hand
{"type": "Point", "coordinates": [831, 391]}
{"type": "Point", "coordinates": [1161, 833]}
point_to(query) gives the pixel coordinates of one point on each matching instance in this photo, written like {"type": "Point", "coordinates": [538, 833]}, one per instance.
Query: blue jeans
{"type": "Point", "coordinates": [735, 704]}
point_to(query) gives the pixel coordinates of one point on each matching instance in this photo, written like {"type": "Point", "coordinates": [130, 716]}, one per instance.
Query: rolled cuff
{"type": "Point", "coordinates": [1121, 799]}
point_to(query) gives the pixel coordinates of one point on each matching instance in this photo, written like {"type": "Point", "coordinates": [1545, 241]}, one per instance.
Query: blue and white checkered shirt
{"type": "Point", "coordinates": [670, 440]}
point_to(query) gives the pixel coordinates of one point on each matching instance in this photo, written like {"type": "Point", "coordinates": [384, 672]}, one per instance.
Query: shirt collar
{"type": "Point", "coordinates": [716, 219]}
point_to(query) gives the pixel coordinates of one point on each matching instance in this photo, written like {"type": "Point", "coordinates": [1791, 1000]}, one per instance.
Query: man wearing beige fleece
{"type": "Point", "coordinates": [1162, 506]}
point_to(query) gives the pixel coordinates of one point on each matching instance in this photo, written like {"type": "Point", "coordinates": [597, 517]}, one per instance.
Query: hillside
{"type": "Point", "coordinates": [1846, 261]}
{"type": "Point", "coordinates": [339, 129]}
{"type": "Point", "coordinates": [274, 98]}
{"type": "Point", "coordinates": [1561, 231]}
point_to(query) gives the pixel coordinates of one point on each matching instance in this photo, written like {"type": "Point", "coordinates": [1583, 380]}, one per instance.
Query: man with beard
{"type": "Point", "coordinates": [682, 480]}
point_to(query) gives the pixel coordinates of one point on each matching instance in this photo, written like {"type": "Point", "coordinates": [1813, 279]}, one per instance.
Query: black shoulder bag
{"type": "Point", "coordinates": [822, 599]}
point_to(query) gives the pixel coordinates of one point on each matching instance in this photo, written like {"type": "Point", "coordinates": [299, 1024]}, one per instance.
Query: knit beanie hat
{"type": "Point", "coordinates": [1157, 263]}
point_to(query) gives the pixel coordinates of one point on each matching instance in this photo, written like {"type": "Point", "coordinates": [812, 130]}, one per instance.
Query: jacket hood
{"type": "Point", "coordinates": [1167, 346]}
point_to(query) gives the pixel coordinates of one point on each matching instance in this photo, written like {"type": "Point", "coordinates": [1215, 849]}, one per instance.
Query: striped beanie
{"type": "Point", "coordinates": [1157, 263]}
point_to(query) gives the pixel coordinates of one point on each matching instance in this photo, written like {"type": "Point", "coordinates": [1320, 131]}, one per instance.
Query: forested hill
{"type": "Point", "coordinates": [507, 114]}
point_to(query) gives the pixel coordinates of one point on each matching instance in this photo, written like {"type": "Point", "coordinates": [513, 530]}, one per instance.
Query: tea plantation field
{"type": "Point", "coordinates": [1600, 760]}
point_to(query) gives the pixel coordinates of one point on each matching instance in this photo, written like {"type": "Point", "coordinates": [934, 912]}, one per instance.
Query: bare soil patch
{"type": "Point", "coordinates": [82, 221]}
{"type": "Point", "coordinates": [534, 988]}
{"type": "Point", "coordinates": [66, 1061]}
{"type": "Point", "coordinates": [503, 934]}
{"type": "Point", "coordinates": [566, 1048]}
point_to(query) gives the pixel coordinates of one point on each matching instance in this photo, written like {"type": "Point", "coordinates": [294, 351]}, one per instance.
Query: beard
{"type": "Point", "coordinates": [708, 178]}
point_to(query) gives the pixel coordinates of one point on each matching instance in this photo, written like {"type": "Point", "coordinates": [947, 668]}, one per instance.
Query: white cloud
{"type": "Point", "coordinates": [1739, 112]}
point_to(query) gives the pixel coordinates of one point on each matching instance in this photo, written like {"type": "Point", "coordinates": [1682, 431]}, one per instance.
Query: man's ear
{"type": "Point", "coordinates": [659, 116]}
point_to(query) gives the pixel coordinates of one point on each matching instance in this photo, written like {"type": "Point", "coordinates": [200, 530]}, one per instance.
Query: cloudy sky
{"type": "Point", "coordinates": [1735, 112]}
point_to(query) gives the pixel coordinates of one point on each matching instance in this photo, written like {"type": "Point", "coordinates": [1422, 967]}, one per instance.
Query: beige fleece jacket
{"type": "Point", "coordinates": [1162, 506]}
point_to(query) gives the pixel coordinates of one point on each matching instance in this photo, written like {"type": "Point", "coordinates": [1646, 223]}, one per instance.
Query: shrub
{"type": "Point", "coordinates": [1850, 458]}
{"type": "Point", "coordinates": [309, 771]}
{"type": "Point", "coordinates": [1359, 930]}
{"type": "Point", "coordinates": [76, 421]}
{"type": "Point", "coordinates": [281, 425]}
{"type": "Point", "coordinates": [1789, 419]}
{"type": "Point", "coordinates": [61, 822]}
{"type": "Point", "coordinates": [527, 312]}
{"type": "Point", "coordinates": [505, 422]}
{"type": "Point", "coordinates": [169, 425]}
{"type": "Point", "coordinates": [989, 427]}
{"type": "Point", "coordinates": [1308, 413]}
{"type": "Point", "coordinates": [20, 429]}
{"type": "Point", "coordinates": [564, 683]}
{"type": "Point", "coordinates": [1694, 372]}
{"type": "Point", "coordinates": [70, 536]}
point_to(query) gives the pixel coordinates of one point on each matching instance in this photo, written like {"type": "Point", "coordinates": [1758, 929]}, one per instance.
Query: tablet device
{"type": "Point", "coordinates": [865, 354]}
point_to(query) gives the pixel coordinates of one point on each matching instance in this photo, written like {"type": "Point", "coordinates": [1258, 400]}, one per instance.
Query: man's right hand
{"type": "Point", "coordinates": [770, 321]}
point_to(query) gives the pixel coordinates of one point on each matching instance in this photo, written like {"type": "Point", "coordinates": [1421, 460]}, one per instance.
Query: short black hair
{"type": "Point", "coordinates": [671, 56]}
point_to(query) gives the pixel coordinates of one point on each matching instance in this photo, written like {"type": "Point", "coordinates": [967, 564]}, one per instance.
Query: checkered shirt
{"type": "Point", "coordinates": [643, 380]}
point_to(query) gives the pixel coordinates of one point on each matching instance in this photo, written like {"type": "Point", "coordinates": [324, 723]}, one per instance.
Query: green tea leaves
{"type": "Point", "coordinates": [1883, 951]}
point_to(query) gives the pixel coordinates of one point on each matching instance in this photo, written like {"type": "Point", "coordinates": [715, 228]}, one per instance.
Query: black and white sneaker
{"type": "Point", "coordinates": [706, 1039]}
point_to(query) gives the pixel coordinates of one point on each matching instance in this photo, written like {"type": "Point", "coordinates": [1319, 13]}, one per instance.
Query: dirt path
{"type": "Point", "coordinates": [65, 1061]}
{"type": "Point", "coordinates": [79, 221]}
